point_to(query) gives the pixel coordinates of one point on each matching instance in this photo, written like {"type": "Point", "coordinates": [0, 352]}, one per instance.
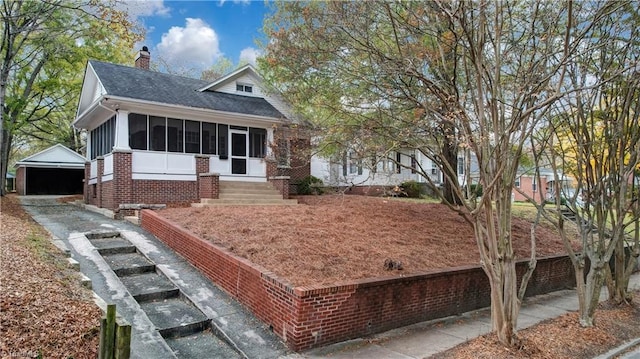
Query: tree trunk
{"type": "Point", "coordinates": [619, 290]}
{"type": "Point", "coordinates": [5, 147]}
{"type": "Point", "coordinates": [592, 287]}
{"type": "Point", "coordinates": [450, 153]}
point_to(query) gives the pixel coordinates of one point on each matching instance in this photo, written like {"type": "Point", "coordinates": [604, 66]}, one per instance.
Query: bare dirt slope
{"type": "Point", "coordinates": [327, 239]}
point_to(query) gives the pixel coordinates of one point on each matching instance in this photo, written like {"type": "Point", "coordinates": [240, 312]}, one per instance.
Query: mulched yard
{"type": "Point", "coordinates": [44, 311]}
{"type": "Point", "coordinates": [335, 238]}
{"type": "Point", "coordinates": [328, 239]}
{"type": "Point", "coordinates": [561, 338]}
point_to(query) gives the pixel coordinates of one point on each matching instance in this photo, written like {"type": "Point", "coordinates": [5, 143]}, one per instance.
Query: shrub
{"type": "Point", "coordinates": [310, 185]}
{"type": "Point", "coordinates": [413, 189]}
{"type": "Point", "coordinates": [476, 191]}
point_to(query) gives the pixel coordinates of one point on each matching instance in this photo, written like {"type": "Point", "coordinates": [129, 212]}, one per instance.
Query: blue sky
{"type": "Point", "coordinates": [195, 34]}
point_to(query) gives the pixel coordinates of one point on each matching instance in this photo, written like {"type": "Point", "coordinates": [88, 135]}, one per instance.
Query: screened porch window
{"type": "Point", "coordinates": [137, 131]}
{"type": "Point", "coordinates": [257, 142]}
{"type": "Point", "coordinates": [157, 133]}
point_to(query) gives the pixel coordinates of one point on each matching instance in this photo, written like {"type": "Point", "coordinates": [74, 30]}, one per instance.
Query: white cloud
{"type": "Point", "coordinates": [249, 55]}
{"type": "Point", "coordinates": [196, 45]}
{"type": "Point", "coordinates": [243, 2]}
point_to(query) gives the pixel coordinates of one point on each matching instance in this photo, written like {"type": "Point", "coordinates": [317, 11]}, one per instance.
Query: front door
{"type": "Point", "coordinates": [239, 152]}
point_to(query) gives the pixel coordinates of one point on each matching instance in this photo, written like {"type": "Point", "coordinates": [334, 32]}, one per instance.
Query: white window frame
{"type": "Point", "coordinates": [244, 87]}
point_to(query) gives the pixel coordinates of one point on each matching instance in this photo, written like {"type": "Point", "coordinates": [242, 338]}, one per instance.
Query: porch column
{"type": "Point", "coordinates": [270, 141]}
{"type": "Point", "coordinates": [122, 131]}
{"type": "Point", "coordinates": [86, 185]}
{"type": "Point", "coordinates": [100, 162]}
{"type": "Point", "coordinates": [122, 178]}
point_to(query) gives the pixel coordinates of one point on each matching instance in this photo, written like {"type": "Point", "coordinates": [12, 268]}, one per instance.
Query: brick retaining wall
{"type": "Point", "coordinates": [308, 317]}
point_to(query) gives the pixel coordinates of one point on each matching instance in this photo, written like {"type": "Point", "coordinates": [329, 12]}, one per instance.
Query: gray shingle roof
{"type": "Point", "coordinates": [140, 84]}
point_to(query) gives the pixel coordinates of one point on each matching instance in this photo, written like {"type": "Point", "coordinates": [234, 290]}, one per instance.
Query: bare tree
{"type": "Point", "coordinates": [595, 137]}
{"type": "Point", "coordinates": [475, 77]}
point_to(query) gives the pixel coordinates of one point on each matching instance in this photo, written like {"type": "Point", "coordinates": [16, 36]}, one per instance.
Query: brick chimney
{"type": "Point", "coordinates": [142, 58]}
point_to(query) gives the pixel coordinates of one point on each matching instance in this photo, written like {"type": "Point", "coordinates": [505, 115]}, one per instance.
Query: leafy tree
{"type": "Point", "coordinates": [45, 46]}
{"type": "Point", "coordinates": [441, 78]}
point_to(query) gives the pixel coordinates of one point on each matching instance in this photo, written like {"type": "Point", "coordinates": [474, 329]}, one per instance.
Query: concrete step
{"type": "Point", "coordinates": [175, 317]}
{"type": "Point", "coordinates": [251, 202]}
{"type": "Point", "coordinates": [149, 286]}
{"type": "Point", "coordinates": [202, 345]}
{"type": "Point", "coordinates": [245, 185]}
{"type": "Point", "coordinates": [242, 196]}
{"type": "Point", "coordinates": [124, 264]}
{"type": "Point", "coordinates": [132, 219]}
{"type": "Point", "coordinates": [252, 191]}
{"type": "Point", "coordinates": [113, 245]}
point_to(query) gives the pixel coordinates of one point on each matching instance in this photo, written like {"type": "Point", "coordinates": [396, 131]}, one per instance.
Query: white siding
{"type": "Point", "coordinates": [163, 163]}
{"type": "Point", "coordinates": [108, 165]}
{"type": "Point", "coordinates": [230, 87]}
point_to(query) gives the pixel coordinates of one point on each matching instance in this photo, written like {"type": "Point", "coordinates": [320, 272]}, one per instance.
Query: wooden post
{"type": "Point", "coordinates": [103, 338]}
{"type": "Point", "coordinates": [123, 341]}
{"type": "Point", "coordinates": [110, 332]}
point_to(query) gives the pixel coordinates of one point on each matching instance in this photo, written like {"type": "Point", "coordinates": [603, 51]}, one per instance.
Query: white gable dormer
{"type": "Point", "coordinates": [246, 81]}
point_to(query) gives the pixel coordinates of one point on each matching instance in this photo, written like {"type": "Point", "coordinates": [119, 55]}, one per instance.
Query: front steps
{"type": "Point", "coordinates": [246, 194]}
{"type": "Point", "coordinates": [184, 327]}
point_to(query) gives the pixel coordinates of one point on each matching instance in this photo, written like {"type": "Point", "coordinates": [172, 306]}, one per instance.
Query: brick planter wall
{"type": "Point", "coordinates": [308, 317]}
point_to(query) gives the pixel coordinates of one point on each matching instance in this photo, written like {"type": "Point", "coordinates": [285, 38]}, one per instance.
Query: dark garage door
{"type": "Point", "coordinates": [54, 180]}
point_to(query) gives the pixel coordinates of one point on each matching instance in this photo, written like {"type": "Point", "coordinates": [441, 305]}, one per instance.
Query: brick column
{"type": "Point", "coordinates": [21, 183]}
{"type": "Point", "coordinates": [122, 178]}
{"type": "Point", "coordinates": [282, 184]}
{"type": "Point", "coordinates": [202, 167]}
{"type": "Point", "coordinates": [209, 185]}
{"type": "Point", "coordinates": [86, 186]}
{"type": "Point", "coordinates": [281, 180]}
{"type": "Point", "coordinates": [100, 162]}
{"type": "Point", "coordinates": [272, 166]}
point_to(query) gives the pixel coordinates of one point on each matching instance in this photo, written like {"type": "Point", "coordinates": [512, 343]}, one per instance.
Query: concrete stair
{"type": "Point", "coordinates": [246, 194]}
{"type": "Point", "coordinates": [185, 328]}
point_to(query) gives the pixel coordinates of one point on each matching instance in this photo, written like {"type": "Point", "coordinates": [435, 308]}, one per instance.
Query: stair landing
{"type": "Point", "coordinates": [246, 194]}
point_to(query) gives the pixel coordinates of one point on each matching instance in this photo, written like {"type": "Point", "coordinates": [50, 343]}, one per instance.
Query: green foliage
{"type": "Point", "coordinates": [413, 189]}
{"type": "Point", "coordinates": [45, 47]}
{"type": "Point", "coordinates": [476, 190]}
{"type": "Point", "coordinates": [310, 185]}
{"type": "Point", "coordinates": [221, 67]}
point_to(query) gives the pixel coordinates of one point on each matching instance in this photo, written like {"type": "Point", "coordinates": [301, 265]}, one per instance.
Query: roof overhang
{"type": "Point", "coordinates": [108, 105]}
{"type": "Point", "coordinates": [61, 165]}
{"type": "Point", "coordinates": [230, 76]}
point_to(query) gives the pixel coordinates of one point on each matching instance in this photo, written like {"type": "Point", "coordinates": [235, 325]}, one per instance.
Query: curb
{"type": "Point", "coordinates": [619, 350]}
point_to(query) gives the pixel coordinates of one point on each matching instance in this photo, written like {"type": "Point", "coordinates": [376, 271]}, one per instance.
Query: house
{"type": "Point", "coordinates": [156, 138]}
{"type": "Point", "coordinates": [542, 188]}
{"type": "Point", "coordinates": [10, 182]}
{"type": "Point", "coordinates": [375, 175]}
{"type": "Point", "coordinates": [55, 170]}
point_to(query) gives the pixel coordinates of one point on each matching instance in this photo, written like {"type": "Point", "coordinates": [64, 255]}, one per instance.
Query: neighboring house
{"type": "Point", "coordinates": [375, 176]}
{"type": "Point", "coordinates": [372, 175]}
{"type": "Point", "coordinates": [10, 182]}
{"type": "Point", "coordinates": [542, 189]}
{"type": "Point", "coordinates": [156, 138]}
{"type": "Point", "coordinates": [55, 170]}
